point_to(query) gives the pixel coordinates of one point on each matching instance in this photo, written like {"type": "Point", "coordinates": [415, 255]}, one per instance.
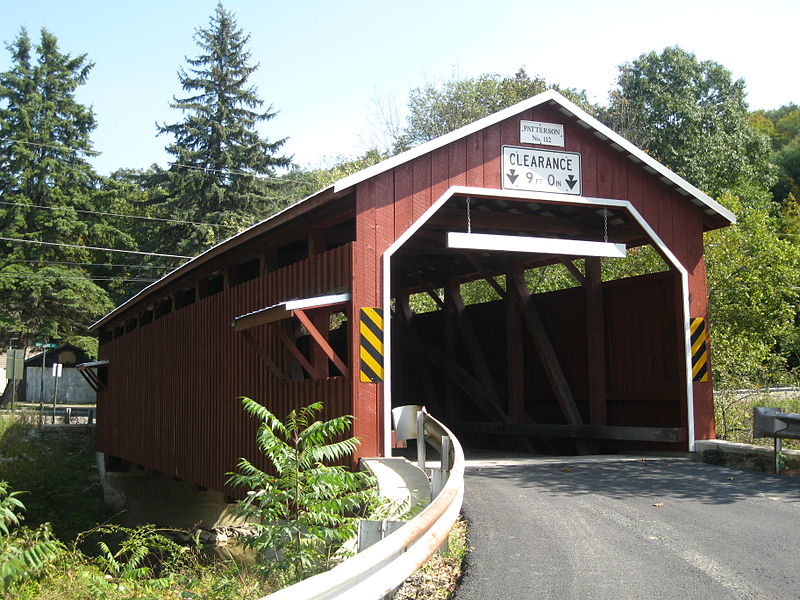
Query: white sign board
{"type": "Point", "coordinates": [535, 170]}
{"type": "Point", "coordinates": [545, 134]}
{"type": "Point", "coordinates": [15, 364]}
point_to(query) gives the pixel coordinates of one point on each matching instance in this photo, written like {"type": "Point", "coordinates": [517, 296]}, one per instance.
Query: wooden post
{"type": "Point", "coordinates": [450, 349]}
{"type": "Point", "coordinates": [515, 355]}
{"type": "Point", "coordinates": [595, 343]}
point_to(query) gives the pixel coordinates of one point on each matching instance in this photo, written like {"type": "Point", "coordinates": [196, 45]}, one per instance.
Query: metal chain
{"type": "Point", "coordinates": [605, 225]}
{"type": "Point", "coordinates": [469, 219]}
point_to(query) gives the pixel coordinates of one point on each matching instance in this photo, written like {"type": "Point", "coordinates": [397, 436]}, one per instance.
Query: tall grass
{"type": "Point", "coordinates": [733, 413]}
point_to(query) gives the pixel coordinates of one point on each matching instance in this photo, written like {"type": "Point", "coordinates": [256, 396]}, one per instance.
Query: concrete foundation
{"type": "Point", "coordinates": [143, 496]}
{"type": "Point", "coordinates": [745, 456]}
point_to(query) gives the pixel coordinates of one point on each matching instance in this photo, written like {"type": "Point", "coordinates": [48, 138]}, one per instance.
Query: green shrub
{"type": "Point", "coordinates": [23, 552]}
{"type": "Point", "coordinates": [308, 509]}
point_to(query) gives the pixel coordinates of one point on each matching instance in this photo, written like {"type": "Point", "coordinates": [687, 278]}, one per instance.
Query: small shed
{"type": "Point", "coordinates": [72, 389]}
{"type": "Point", "coordinates": [480, 274]}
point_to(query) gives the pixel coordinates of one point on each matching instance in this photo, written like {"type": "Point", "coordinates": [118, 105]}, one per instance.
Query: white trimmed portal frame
{"type": "Point", "coordinates": [548, 197]}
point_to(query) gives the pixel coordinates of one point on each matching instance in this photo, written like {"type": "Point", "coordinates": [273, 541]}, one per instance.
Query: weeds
{"type": "Point", "coordinates": [733, 412]}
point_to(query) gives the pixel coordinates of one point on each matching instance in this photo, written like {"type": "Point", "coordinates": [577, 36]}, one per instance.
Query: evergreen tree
{"type": "Point", "coordinates": [219, 154]}
{"type": "Point", "coordinates": [45, 180]}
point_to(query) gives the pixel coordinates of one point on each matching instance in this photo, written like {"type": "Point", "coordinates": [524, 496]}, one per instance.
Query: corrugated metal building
{"type": "Point", "coordinates": [289, 311]}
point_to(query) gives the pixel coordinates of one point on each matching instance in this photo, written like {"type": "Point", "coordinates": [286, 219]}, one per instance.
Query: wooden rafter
{"type": "Point", "coordinates": [263, 354]}
{"type": "Point", "coordinates": [323, 343]}
{"type": "Point", "coordinates": [579, 277]}
{"type": "Point", "coordinates": [295, 351]}
{"type": "Point", "coordinates": [546, 352]}
{"type": "Point", "coordinates": [485, 274]}
{"type": "Point", "coordinates": [471, 343]}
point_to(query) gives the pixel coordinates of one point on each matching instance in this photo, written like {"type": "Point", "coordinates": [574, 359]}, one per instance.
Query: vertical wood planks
{"type": "Point", "coordinates": [172, 400]}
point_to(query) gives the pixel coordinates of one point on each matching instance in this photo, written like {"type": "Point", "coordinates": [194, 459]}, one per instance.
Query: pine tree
{"type": "Point", "coordinates": [219, 156]}
{"type": "Point", "coordinates": [45, 179]}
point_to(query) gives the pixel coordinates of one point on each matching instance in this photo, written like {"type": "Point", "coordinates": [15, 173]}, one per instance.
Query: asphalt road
{"type": "Point", "coordinates": [619, 528]}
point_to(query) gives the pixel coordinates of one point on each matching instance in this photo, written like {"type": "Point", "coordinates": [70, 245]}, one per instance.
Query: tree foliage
{"type": "Point", "coordinates": [753, 295]}
{"type": "Point", "coordinates": [307, 509]}
{"type": "Point", "coordinates": [220, 158]}
{"type": "Point", "coordinates": [23, 552]}
{"type": "Point", "coordinates": [691, 116]}
{"type": "Point", "coordinates": [434, 110]}
{"type": "Point", "coordinates": [45, 180]}
{"type": "Point", "coordinates": [782, 126]}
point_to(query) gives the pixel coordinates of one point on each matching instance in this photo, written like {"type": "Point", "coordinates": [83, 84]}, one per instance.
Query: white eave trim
{"type": "Point", "coordinates": [283, 310]}
{"type": "Point", "coordinates": [566, 107]}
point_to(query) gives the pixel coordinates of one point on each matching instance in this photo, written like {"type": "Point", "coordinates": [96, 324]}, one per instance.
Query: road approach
{"type": "Point", "coordinates": [628, 528]}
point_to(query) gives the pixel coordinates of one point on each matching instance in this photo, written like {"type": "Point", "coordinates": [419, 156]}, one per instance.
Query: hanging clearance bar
{"type": "Point", "coordinates": [515, 243]}
{"type": "Point", "coordinates": [697, 331]}
{"type": "Point", "coordinates": [371, 347]}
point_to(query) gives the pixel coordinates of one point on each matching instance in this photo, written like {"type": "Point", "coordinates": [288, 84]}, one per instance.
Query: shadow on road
{"type": "Point", "coordinates": [679, 478]}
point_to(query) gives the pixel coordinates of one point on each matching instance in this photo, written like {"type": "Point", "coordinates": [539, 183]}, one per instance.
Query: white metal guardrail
{"type": "Point", "coordinates": [771, 422]}
{"type": "Point", "coordinates": [380, 569]}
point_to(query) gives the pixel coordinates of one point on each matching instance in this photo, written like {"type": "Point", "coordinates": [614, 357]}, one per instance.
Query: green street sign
{"type": "Point", "coordinates": [48, 345]}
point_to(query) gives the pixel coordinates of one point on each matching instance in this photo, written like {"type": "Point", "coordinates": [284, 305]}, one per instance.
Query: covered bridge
{"type": "Point", "coordinates": [363, 296]}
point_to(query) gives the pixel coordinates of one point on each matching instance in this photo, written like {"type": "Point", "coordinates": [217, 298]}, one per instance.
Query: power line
{"type": "Point", "coordinates": [111, 214]}
{"type": "Point", "coordinates": [57, 147]}
{"type": "Point", "coordinates": [83, 264]}
{"type": "Point", "coordinates": [244, 173]}
{"type": "Point", "coordinates": [139, 252]}
{"type": "Point", "coordinates": [90, 277]}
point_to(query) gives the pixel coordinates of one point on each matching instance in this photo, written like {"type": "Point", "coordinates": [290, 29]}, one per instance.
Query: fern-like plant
{"type": "Point", "coordinates": [309, 507]}
{"type": "Point", "coordinates": [23, 552]}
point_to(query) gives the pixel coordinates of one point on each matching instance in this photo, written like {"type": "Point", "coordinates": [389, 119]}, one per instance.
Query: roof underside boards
{"type": "Point", "coordinates": [425, 261]}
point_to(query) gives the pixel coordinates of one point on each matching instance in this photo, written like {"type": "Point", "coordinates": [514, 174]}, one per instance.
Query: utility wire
{"type": "Point", "coordinates": [57, 147]}
{"type": "Point", "coordinates": [111, 214]}
{"type": "Point", "coordinates": [90, 277]}
{"type": "Point", "coordinates": [83, 264]}
{"type": "Point", "coordinates": [244, 173]}
{"type": "Point", "coordinates": [139, 252]}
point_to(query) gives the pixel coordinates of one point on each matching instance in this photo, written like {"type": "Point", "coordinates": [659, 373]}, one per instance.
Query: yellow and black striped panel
{"type": "Point", "coordinates": [697, 330]}
{"type": "Point", "coordinates": [371, 350]}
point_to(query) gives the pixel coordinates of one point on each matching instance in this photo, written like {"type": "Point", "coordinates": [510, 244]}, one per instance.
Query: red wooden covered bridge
{"type": "Point", "coordinates": [590, 333]}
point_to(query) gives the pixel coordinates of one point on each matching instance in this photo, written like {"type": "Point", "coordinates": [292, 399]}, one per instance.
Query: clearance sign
{"type": "Point", "coordinates": [534, 170]}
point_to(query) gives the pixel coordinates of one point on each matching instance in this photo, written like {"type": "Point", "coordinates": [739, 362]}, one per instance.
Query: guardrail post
{"type": "Point", "coordinates": [421, 439]}
{"type": "Point", "coordinates": [778, 455]}
{"type": "Point", "coordinates": [446, 449]}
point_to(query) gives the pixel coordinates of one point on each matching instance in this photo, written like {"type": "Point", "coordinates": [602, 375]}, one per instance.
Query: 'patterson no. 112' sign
{"type": "Point", "coordinates": [535, 170]}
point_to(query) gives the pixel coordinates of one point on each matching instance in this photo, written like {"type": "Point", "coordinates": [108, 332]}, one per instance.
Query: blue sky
{"type": "Point", "coordinates": [325, 64]}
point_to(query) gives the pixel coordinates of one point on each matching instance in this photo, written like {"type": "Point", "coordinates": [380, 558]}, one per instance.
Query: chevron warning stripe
{"type": "Point", "coordinates": [371, 350]}
{"type": "Point", "coordinates": [697, 330]}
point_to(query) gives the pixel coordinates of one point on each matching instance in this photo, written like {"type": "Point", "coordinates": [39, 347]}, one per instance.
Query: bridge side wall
{"type": "Point", "coordinates": [173, 384]}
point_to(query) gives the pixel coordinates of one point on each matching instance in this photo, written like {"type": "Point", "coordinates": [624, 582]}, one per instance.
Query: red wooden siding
{"type": "Point", "coordinates": [385, 202]}
{"type": "Point", "coordinates": [176, 381]}
{"type": "Point", "coordinates": [645, 372]}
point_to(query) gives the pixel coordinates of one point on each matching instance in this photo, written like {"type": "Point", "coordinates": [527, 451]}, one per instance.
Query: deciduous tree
{"type": "Point", "coordinates": [691, 116]}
